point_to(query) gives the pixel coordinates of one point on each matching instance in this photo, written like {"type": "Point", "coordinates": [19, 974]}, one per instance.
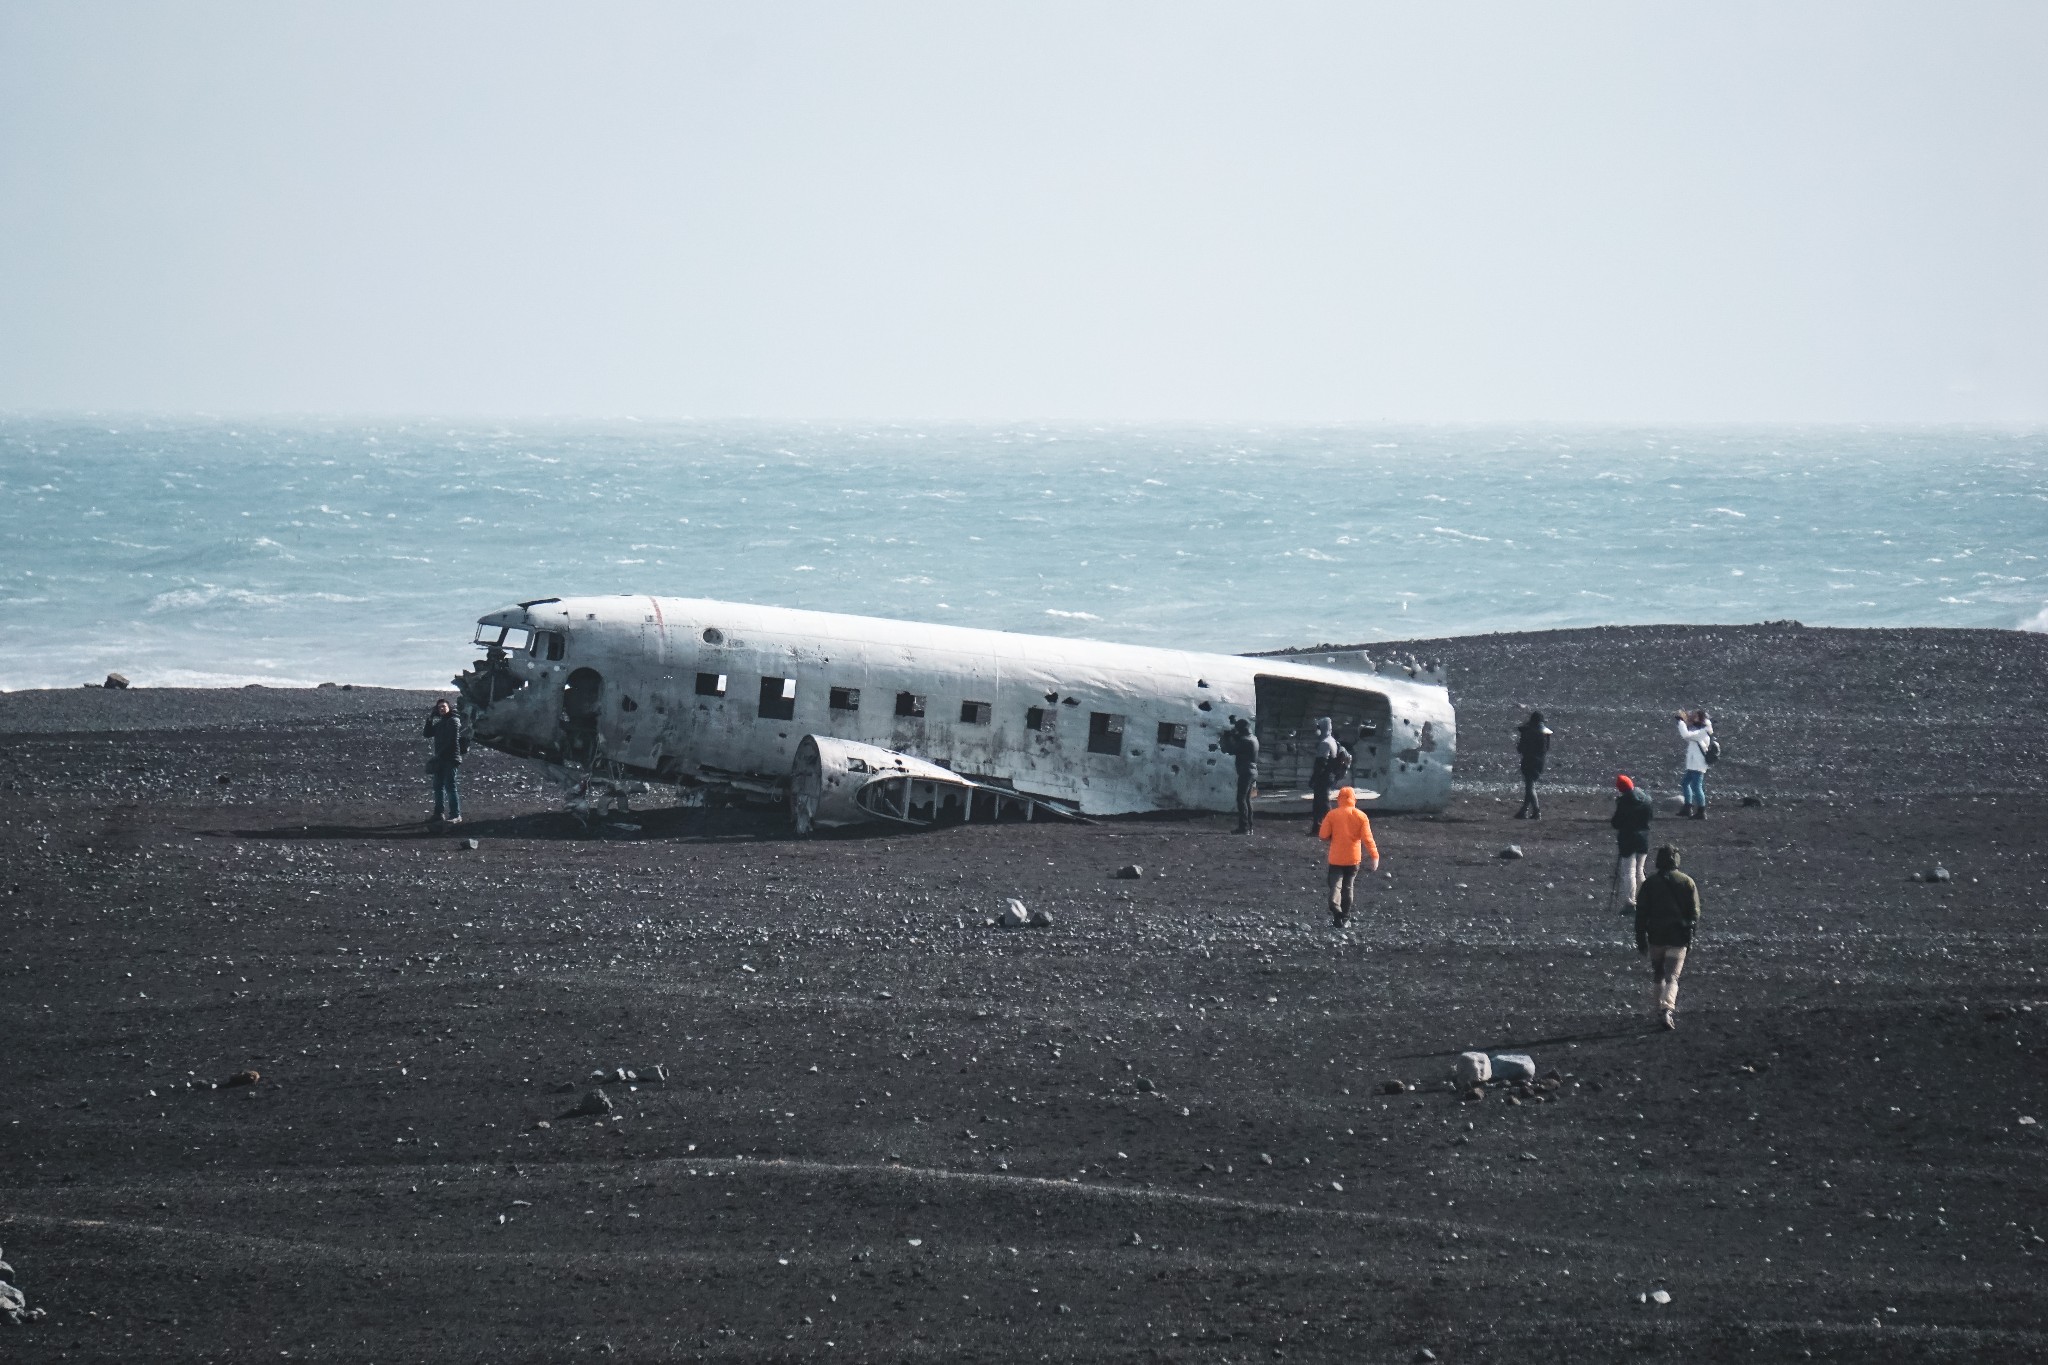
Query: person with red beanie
{"type": "Point", "coordinates": [1631, 820]}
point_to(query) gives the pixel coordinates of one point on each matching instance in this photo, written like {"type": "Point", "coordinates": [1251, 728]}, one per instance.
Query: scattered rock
{"type": "Point", "coordinates": [566, 1088]}
{"type": "Point", "coordinates": [1752, 801]}
{"type": "Point", "coordinates": [1937, 873]}
{"type": "Point", "coordinates": [1013, 916]}
{"type": "Point", "coordinates": [1477, 1092]}
{"type": "Point", "coordinates": [1145, 1085]}
{"type": "Point", "coordinates": [1660, 1296]}
{"type": "Point", "coordinates": [1130, 872]}
{"type": "Point", "coordinates": [1265, 1158]}
{"type": "Point", "coordinates": [1135, 1241]}
{"type": "Point", "coordinates": [115, 683]}
{"type": "Point", "coordinates": [470, 844]}
{"type": "Point", "coordinates": [222, 778]}
{"type": "Point", "coordinates": [244, 1078]}
{"type": "Point", "coordinates": [655, 1075]}
{"type": "Point", "coordinates": [1474, 1068]}
{"type": "Point", "coordinates": [1041, 919]}
{"type": "Point", "coordinates": [542, 1123]}
{"type": "Point", "coordinates": [1513, 1066]}
{"type": "Point", "coordinates": [594, 1104]}
{"type": "Point", "coordinates": [1393, 1087]}
{"type": "Point", "coordinates": [1512, 851]}
{"type": "Point", "coordinates": [13, 1306]}
{"type": "Point", "coordinates": [1424, 1355]}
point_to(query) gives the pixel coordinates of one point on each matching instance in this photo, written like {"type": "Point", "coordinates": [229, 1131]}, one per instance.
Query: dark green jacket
{"type": "Point", "coordinates": [1667, 908]}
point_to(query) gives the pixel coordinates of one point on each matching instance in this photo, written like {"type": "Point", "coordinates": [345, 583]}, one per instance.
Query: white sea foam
{"type": "Point", "coordinates": [2037, 622]}
{"type": "Point", "coordinates": [1072, 615]}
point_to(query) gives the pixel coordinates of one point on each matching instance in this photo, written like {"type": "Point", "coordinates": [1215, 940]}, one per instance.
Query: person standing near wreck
{"type": "Point", "coordinates": [1631, 820]}
{"type": "Point", "coordinates": [1696, 729]}
{"type": "Point", "coordinates": [1332, 766]}
{"type": "Point", "coordinates": [451, 741]}
{"type": "Point", "coordinates": [1532, 742]}
{"type": "Point", "coordinates": [1667, 908]}
{"type": "Point", "coordinates": [1349, 834]}
{"type": "Point", "coordinates": [1241, 744]}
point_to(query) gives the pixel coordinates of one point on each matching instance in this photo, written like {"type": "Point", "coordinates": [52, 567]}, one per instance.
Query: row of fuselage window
{"type": "Point", "coordinates": [1105, 729]}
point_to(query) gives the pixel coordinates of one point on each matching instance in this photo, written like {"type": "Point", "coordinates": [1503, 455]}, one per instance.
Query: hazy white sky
{"type": "Point", "coordinates": [1470, 212]}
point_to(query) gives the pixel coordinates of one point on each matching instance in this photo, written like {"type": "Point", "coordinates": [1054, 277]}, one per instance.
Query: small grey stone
{"type": "Point", "coordinates": [1130, 872]}
{"type": "Point", "coordinates": [1013, 916]}
{"type": "Point", "coordinates": [470, 844]}
{"type": "Point", "coordinates": [11, 1299]}
{"type": "Point", "coordinates": [1937, 873]}
{"type": "Point", "coordinates": [1041, 919]}
{"type": "Point", "coordinates": [1512, 851]}
{"type": "Point", "coordinates": [115, 682]}
{"type": "Point", "coordinates": [1135, 1240]}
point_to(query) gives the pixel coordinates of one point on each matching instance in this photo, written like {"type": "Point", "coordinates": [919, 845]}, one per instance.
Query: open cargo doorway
{"type": "Point", "coordinates": [1288, 708]}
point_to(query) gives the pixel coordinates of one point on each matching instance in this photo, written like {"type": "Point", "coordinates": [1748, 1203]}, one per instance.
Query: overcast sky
{"type": "Point", "coordinates": [1470, 212]}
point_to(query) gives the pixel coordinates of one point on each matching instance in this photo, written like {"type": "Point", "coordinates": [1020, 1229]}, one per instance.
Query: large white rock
{"type": "Point", "coordinates": [1513, 1066]}
{"type": "Point", "coordinates": [1474, 1068]}
{"type": "Point", "coordinates": [1014, 915]}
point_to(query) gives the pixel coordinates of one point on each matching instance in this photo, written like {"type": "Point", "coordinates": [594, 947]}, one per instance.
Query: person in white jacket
{"type": "Point", "coordinates": [1696, 729]}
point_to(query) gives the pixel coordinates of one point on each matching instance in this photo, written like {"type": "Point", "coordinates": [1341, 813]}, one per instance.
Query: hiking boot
{"type": "Point", "coordinates": [1699, 812]}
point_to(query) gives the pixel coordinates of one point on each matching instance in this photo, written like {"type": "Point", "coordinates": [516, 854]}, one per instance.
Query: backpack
{"type": "Point", "coordinates": [1711, 751]}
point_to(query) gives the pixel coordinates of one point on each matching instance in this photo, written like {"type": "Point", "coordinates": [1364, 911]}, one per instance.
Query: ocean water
{"type": "Point", "coordinates": [214, 552]}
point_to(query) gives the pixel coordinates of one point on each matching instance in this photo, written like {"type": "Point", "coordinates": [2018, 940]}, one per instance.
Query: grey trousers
{"type": "Point", "coordinates": [1343, 887]}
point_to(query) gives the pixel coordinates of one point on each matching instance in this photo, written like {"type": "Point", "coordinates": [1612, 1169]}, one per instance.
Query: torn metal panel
{"type": "Point", "coordinates": [698, 694]}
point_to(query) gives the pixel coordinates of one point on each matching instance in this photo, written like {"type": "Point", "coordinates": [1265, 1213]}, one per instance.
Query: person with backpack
{"type": "Point", "coordinates": [1696, 729]}
{"type": "Point", "coordinates": [1332, 766]}
{"type": "Point", "coordinates": [1349, 834]}
{"type": "Point", "coordinates": [1532, 742]}
{"type": "Point", "coordinates": [1631, 820]}
{"type": "Point", "coordinates": [1667, 908]}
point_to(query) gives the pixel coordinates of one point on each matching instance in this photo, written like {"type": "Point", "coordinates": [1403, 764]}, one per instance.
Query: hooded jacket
{"type": "Point", "coordinates": [1532, 741]}
{"type": "Point", "coordinates": [1348, 831]}
{"type": "Point", "coordinates": [1667, 908]}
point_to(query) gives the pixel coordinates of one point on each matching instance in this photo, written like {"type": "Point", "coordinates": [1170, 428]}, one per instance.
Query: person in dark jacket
{"type": "Point", "coordinates": [451, 742]}
{"type": "Point", "coordinates": [1667, 909]}
{"type": "Point", "coordinates": [1532, 742]}
{"type": "Point", "coordinates": [1241, 744]}
{"type": "Point", "coordinates": [1631, 820]}
{"type": "Point", "coordinates": [1332, 767]}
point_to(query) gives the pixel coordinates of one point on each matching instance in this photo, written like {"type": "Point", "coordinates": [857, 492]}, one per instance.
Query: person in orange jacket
{"type": "Point", "coordinates": [1349, 835]}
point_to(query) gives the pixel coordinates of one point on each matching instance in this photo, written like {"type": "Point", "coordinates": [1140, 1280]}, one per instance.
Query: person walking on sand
{"type": "Point", "coordinates": [1241, 744]}
{"type": "Point", "coordinates": [1332, 766]}
{"type": "Point", "coordinates": [1532, 742]}
{"type": "Point", "coordinates": [1631, 820]}
{"type": "Point", "coordinates": [1696, 729]}
{"type": "Point", "coordinates": [451, 742]}
{"type": "Point", "coordinates": [1349, 834]}
{"type": "Point", "coordinates": [1667, 908]}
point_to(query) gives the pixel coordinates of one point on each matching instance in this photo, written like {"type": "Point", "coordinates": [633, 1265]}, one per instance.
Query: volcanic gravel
{"type": "Point", "coordinates": [1166, 1127]}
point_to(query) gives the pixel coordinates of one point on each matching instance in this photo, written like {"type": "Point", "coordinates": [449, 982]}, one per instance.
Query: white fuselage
{"type": "Point", "coordinates": [703, 693]}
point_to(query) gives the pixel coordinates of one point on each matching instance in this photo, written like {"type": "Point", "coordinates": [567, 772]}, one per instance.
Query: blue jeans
{"type": "Point", "coordinates": [1694, 785]}
{"type": "Point", "coordinates": [444, 791]}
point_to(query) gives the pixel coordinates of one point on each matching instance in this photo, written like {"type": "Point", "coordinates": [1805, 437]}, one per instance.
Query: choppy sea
{"type": "Point", "coordinates": [214, 552]}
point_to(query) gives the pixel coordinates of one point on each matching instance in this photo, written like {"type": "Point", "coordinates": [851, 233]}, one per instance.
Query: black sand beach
{"type": "Point", "coordinates": [1154, 1131]}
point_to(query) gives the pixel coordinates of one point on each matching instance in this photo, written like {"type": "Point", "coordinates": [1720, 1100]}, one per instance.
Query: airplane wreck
{"type": "Point", "coordinates": [850, 720]}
